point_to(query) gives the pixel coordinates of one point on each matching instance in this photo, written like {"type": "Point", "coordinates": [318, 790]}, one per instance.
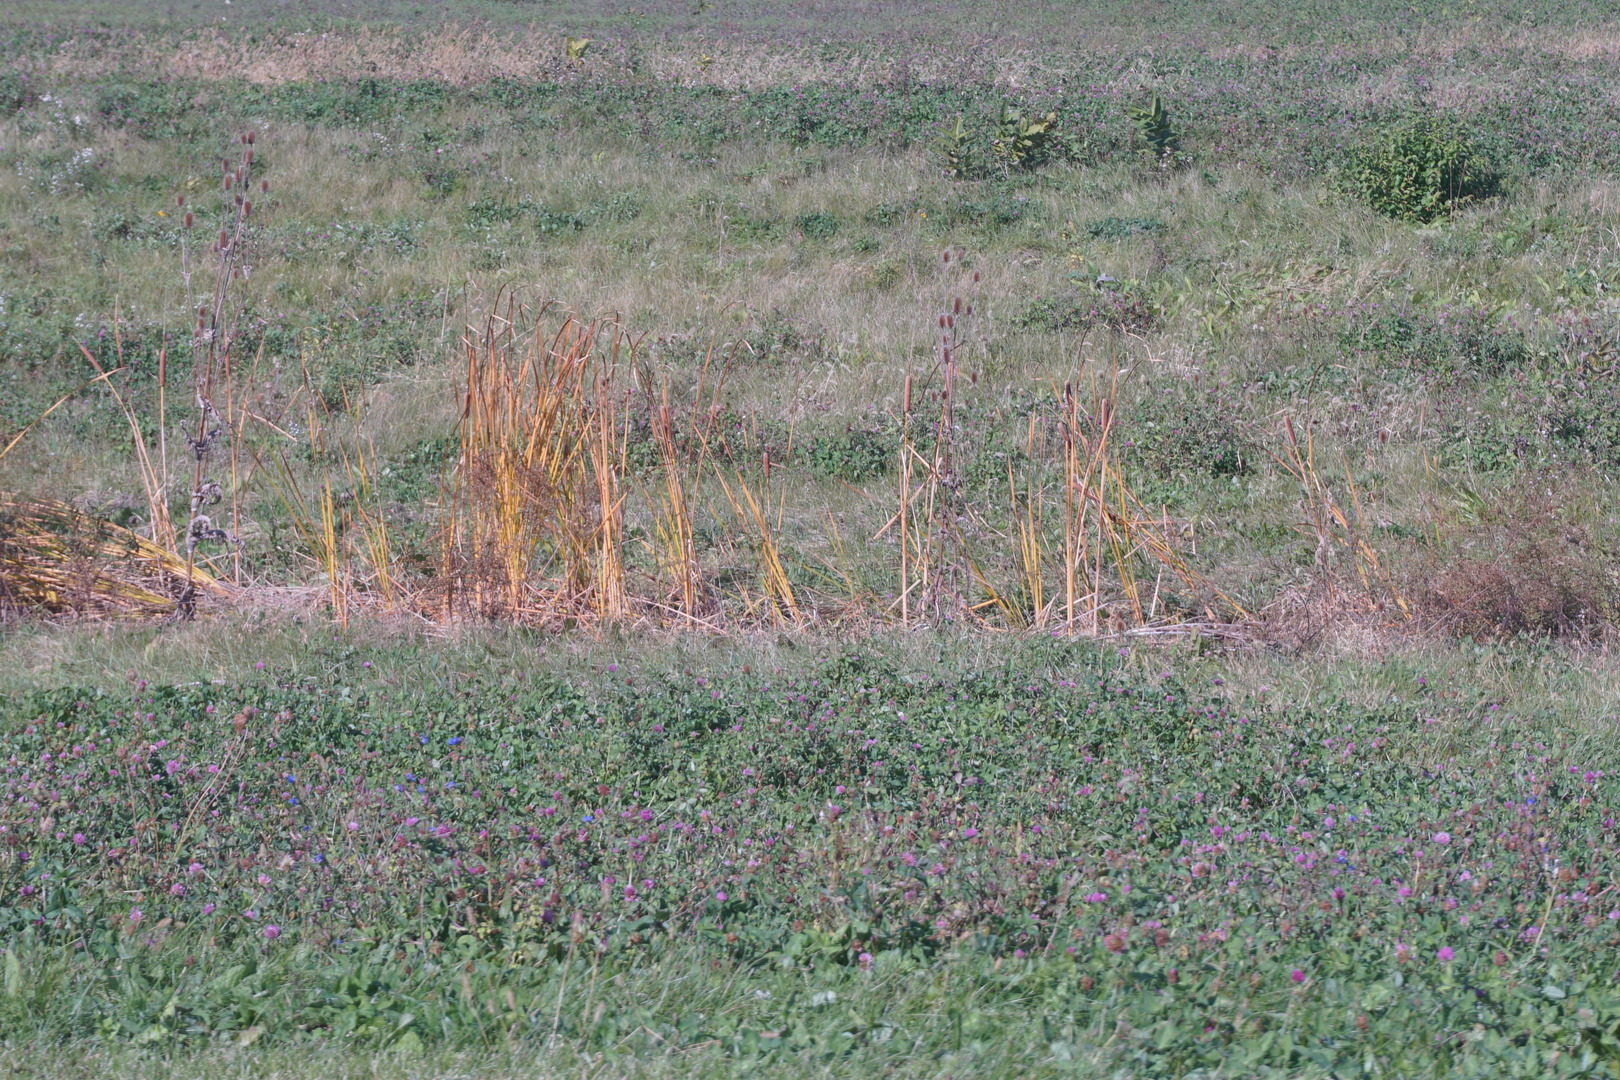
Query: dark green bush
{"type": "Point", "coordinates": [817, 225]}
{"type": "Point", "coordinates": [1419, 170]}
{"type": "Point", "coordinates": [854, 454]}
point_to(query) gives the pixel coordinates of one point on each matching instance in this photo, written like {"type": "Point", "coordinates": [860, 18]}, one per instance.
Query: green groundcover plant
{"type": "Point", "coordinates": [855, 864]}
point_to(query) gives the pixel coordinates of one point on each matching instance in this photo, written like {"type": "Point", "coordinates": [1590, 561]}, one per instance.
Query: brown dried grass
{"type": "Point", "coordinates": [59, 561]}
{"type": "Point", "coordinates": [1530, 565]}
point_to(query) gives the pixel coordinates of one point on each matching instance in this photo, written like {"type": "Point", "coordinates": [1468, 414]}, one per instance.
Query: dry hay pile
{"type": "Point", "coordinates": [58, 560]}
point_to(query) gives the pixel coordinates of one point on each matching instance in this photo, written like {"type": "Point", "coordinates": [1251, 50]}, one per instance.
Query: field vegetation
{"type": "Point", "coordinates": [717, 538]}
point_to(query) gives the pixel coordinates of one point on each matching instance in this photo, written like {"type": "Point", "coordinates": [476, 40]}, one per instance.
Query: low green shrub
{"type": "Point", "coordinates": [816, 225]}
{"type": "Point", "coordinates": [854, 454]}
{"type": "Point", "coordinates": [1421, 169]}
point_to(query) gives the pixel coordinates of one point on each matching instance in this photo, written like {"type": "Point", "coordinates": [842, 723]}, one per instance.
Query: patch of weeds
{"type": "Point", "coordinates": [886, 274]}
{"type": "Point", "coordinates": [889, 214]}
{"type": "Point", "coordinates": [1160, 141]}
{"type": "Point", "coordinates": [126, 225]}
{"type": "Point", "coordinates": [1185, 439]}
{"type": "Point", "coordinates": [1521, 230]}
{"type": "Point", "coordinates": [620, 206]}
{"type": "Point", "coordinates": [977, 148]}
{"type": "Point", "coordinates": [816, 225]}
{"type": "Point", "coordinates": [1537, 417]}
{"type": "Point", "coordinates": [1530, 565]}
{"type": "Point", "coordinates": [536, 217]}
{"type": "Point", "coordinates": [1115, 306]}
{"type": "Point", "coordinates": [754, 229]}
{"type": "Point", "coordinates": [776, 339]}
{"type": "Point", "coordinates": [65, 172]}
{"type": "Point", "coordinates": [151, 110]}
{"type": "Point", "coordinates": [416, 474]}
{"type": "Point", "coordinates": [440, 180]}
{"type": "Point", "coordinates": [16, 93]}
{"type": "Point", "coordinates": [988, 211]}
{"type": "Point", "coordinates": [1449, 342]}
{"type": "Point", "coordinates": [1119, 228]}
{"type": "Point", "coordinates": [857, 453]}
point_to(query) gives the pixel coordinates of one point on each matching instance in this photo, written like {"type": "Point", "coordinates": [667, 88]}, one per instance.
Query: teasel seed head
{"type": "Point", "coordinates": [224, 240]}
{"type": "Point", "coordinates": [956, 305]}
{"type": "Point", "coordinates": [189, 220]}
{"type": "Point", "coordinates": [249, 137]}
{"type": "Point", "coordinates": [247, 158]}
{"type": "Point", "coordinates": [942, 322]}
{"type": "Point", "coordinates": [975, 277]}
{"type": "Point", "coordinates": [247, 207]}
{"type": "Point", "coordinates": [950, 321]}
{"type": "Point", "coordinates": [230, 178]}
{"type": "Point", "coordinates": [179, 200]}
{"type": "Point", "coordinates": [264, 187]}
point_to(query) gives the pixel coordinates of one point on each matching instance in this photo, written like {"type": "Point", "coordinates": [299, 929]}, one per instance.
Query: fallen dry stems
{"type": "Point", "coordinates": [56, 560]}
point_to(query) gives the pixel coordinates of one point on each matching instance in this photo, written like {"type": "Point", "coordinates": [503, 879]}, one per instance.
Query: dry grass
{"type": "Point", "coordinates": [56, 560]}
{"type": "Point", "coordinates": [1527, 564]}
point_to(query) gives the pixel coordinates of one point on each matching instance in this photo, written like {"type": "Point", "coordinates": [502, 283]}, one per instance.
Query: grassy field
{"type": "Point", "coordinates": [720, 538]}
